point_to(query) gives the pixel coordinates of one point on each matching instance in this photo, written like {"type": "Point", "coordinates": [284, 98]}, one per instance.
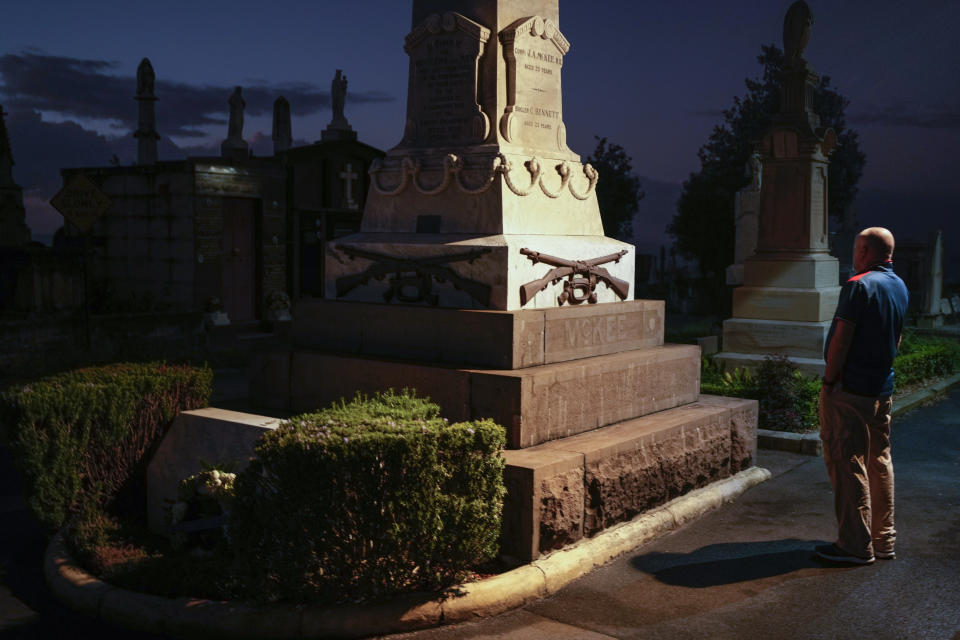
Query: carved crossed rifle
{"type": "Point", "coordinates": [412, 278]}
{"type": "Point", "coordinates": [583, 278]}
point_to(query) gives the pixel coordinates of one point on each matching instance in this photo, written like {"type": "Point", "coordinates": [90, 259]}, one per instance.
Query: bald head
{"type": "Point", "coordinates": [874, 245]}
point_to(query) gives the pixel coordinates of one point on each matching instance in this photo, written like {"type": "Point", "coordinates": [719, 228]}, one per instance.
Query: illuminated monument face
{"type": "Point", "coordinates": [791, 283]}
{"type": "Point", "coordinates": [482, 189]}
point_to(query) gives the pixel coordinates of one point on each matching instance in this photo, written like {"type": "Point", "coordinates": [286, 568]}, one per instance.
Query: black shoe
{"type": "Point", "coordinates": [836, 554]}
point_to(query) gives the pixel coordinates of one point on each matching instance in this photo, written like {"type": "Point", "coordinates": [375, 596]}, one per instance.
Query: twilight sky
{"type": "Point", "coordinates": [650, 75]}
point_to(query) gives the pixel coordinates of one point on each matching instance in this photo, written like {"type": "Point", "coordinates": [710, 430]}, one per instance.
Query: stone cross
{"type": "Point", "coordinates": [348, 177]}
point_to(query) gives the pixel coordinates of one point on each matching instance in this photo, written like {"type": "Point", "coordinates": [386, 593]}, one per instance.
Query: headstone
{"type": "Point", "coordinates": [282, 128]}
{"type": "Point", "coordinates": [235, 147]}
{"type": "Point", "coordinates": [146, 133]}
{"type": "Point", "coordinates": [339, 128]}
{"type": "Point", "coordinates": [745, 212]}
{"type": "Point", "coordinates": [955, 303]}
{"type": "Point", "coordinates": [791, 280]}
{"type": "Point", "coordinates": [934, 285]}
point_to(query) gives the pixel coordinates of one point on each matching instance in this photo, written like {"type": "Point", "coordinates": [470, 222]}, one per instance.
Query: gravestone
{"type": "Point", "coordinates": [933, 308]}
{"type": "Point", "coordinates": [745, 207]}
{"type": "Point", "coordinates": [790, 285]}
{"type": "Point", "coordinates": [482, 278]}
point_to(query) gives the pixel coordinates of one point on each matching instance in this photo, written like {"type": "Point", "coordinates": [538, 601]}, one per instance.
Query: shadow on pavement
{"type": "Point", "coordinates": [730, 563]}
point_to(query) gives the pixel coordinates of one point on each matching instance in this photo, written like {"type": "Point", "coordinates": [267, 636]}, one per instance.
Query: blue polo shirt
{"type": "Point", "coordinates": [875, 300]}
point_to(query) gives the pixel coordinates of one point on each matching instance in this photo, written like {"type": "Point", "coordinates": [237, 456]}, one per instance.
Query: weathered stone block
{"type": "Point", "coordinates": [559, 400]}
{"type": "Point", "coordinates": [204, 435]}
{"type": "Point", "coordinates": [813, 272]}
{"type": "Point", "coordinates": [769, 337]}
{"type": "Point", "coordinates": [317, 379]}
{"type": "Point", "coordinates": [628, 468]}
{"type": "Point", "coordinates": [543, 508]}
{"type": "Point", "coordinates": [769, 303]}
{"type": "Point", "coordinates": [498, 339]}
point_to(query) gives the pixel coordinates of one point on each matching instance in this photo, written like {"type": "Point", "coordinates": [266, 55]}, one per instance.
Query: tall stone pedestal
{"type": "Point", "coordinates": [482, 278]}
{"type": "Point", "coordinates": [791, 284]}
{"type": "Point", "coordinates": [784, 308]}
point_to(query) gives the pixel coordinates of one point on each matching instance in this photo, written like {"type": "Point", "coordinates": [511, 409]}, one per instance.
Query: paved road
{"type": "Point", "coordinates": [748, 571]}
{"type": "Point", "coordinates": [745, 571]}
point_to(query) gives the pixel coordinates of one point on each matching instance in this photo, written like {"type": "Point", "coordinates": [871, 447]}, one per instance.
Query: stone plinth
{"type": "Point", "coordinates": [563, 490]}
{"type": "Point", "coordinates": [497, 339]}
{"type": "Point", "coordinates": [535, 404]}
{"type": "Point", "coordinates": [474, 272]}
{"type": "Point", "coordinates": [208, 435]}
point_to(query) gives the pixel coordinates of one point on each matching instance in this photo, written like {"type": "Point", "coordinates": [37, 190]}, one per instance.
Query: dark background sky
{"type": "Point", "coordinates": [651, 76]}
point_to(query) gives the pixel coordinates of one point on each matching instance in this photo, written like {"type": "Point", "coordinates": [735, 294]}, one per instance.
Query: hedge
{"type": "Point", "coordinates": [365, 499]}
{"type": "Point", "coordinates": [82, 438]}
{"type": "Point", "coordinates": [789, 401]}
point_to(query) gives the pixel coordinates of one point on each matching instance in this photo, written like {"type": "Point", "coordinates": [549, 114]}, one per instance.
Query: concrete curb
{"type": "Point", "coordinates": [809, 443]}
{"type": "Point", "coordinates": [194, 618]}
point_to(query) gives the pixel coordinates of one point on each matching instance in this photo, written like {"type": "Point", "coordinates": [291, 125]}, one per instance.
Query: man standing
{"type": "Point", "coordinates": [855, 402]}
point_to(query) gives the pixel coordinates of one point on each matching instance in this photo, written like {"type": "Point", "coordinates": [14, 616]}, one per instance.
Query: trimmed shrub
{"type": "Point", "coordinates": [365, 499]}
{"type": "Point", "coordinates": [82, 438]}
{"type": "Point", "coordinates": [923, 357]}
{"type": "Point", "coordinates": [788, 399]}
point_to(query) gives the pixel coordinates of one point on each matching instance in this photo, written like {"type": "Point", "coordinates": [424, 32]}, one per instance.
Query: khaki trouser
{"type": "Point", "coordinates": [855, 431]}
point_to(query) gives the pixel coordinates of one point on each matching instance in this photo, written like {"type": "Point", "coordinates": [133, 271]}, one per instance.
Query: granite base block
{"type": "Point", "coordinates": [627, 469]}
{"type": "Point", "coordinates": [535, 404]}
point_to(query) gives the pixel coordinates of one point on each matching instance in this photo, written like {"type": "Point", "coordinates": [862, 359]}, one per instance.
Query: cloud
{"type": "Point", "coordinates": [86, 89]}
{"type": "Point", "coordinates": [908, 115]}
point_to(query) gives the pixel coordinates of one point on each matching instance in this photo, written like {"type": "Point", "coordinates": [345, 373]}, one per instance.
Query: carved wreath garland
{"type": "Point", "coordinates": [410, 170]}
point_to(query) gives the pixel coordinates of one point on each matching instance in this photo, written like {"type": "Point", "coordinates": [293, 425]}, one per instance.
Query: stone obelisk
{"type": "Point", "coordinates": [282, 127]}
{"type": "Point", "coordinates": [790, 285]}
{"type": "Point", "coordinates": [481, 277]}
{"type": "Point", "coordinates": [146, 133]}
{"type": "Point", "coordinates": [13, 228]}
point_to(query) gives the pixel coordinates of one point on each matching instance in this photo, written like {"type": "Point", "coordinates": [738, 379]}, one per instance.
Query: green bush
{"type": "Point", "coordinates": [923, 357]}
{"type": "Point", "coordinates": [365, 499]}
{"type": "Point", "coordinates": [82, 438]}
{"type": "Point", "coordinates": [788, 399]}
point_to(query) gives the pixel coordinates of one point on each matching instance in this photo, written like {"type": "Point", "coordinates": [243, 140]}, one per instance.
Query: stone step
{"type": "Point", "coordinates": [561, 491]}
{"type": "Point", "coordinates": [535, 404]}
{"type": "Point", "coordinates": [497, 339]}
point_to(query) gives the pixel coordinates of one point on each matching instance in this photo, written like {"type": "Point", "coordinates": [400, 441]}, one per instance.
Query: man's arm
{"type": "Point", "coordinates": [839, 348]}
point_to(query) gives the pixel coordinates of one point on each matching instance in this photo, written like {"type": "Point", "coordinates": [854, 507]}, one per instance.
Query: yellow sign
{"type": "Point", "coordinates": [81, 202]}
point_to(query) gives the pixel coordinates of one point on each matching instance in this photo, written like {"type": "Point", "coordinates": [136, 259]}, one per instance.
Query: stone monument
{"type": "Point", "coordinates": [745, 206]}
{"type": "Point", "coordinates": [235, 147]}
{"type": "Point", "coordinates": [933, 311]}
{"type": "Point", "coordinates": [482, 278]}
{"type": "Point", "coordinates": [282, 126]}
{"type": "Point", "coordinates": [146, 133]}
{"type": "Point", "coordinates": [14, 231]}
{"type": "Point", "coordinates": [339, 128]}
{"type": "Point", "coordinates": [790, 285]}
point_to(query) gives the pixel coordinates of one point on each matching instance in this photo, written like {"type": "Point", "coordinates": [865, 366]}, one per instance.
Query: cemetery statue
{"type": "Point", "coordinates": [235, 128]}
{"type": "Point", "coordinates": [338, 94]}
{"type": "Point", "coordinates": [145, 78]}
{"type": "Point", "coordinates": [796, 30]}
